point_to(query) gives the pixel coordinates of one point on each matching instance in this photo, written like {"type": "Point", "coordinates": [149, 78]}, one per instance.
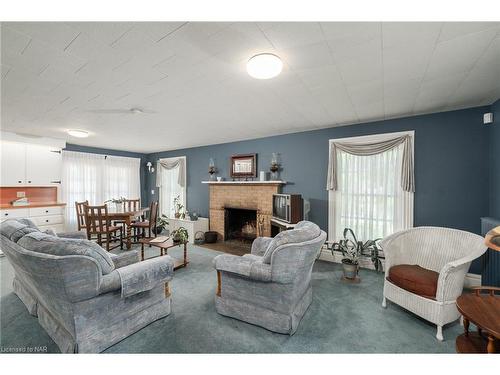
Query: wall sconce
{"type": "Point", "coordinates": [150, 167]}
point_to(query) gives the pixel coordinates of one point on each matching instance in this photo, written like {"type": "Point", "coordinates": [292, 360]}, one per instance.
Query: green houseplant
{"type": "Point", "coordinates": [179, 208]}
{"type": "Point", "coordinates": [161, 224]}
{"type": "Point", "coordinates": [352, 250]}
{"type": "Point", "coordinates": [180, 235]}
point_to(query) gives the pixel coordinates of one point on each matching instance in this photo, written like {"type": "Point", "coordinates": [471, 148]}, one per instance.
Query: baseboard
{"type": "Point", "coordinates": [472, 280]}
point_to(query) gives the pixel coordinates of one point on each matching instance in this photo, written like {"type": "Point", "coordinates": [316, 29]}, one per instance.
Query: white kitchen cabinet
{"type": "Point", "coordinates": [192, 226]}
{"type": "Point", "coordinates": [25, 164]}
{"type": "Point", "coordinates": [13, 155]}
{"type": "Point", "coordinates": [43, 165]}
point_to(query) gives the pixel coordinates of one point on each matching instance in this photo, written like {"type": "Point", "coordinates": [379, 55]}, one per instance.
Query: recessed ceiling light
{"type": "Point", "coordinates": [264, 66]}
{"type": "Point", "coordinates": [78, 133]}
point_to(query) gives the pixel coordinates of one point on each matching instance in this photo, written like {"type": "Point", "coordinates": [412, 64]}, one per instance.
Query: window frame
{"type": "Point", "coordinates": [160, 194]}
{"type": "Point", "coordinates": [409, 197]}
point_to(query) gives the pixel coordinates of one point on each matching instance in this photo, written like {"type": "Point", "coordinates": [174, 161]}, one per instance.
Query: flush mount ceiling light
{"type": "Point", "coordinates": [264, 66]}
{"type": "Point", "coordinates": [78, 133]}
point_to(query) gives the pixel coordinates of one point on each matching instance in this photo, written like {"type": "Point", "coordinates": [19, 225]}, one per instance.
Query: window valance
{"type": "Point", "coordinates": [372, 148]}
{"type": "Point", "coordinates": [171, 163]}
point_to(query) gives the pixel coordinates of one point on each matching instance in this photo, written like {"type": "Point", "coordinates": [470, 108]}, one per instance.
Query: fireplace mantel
{"type": "Point", "coordinates": [253, 195]}
{"type": "Point", "coordinates": [244, 182]}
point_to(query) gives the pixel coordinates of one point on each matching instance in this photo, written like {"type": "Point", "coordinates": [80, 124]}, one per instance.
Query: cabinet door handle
{"type": "Point", "coordinates": [47, 220]}
{"type": "Point", "coordinates": [29, 182]}
{"type": "Point", "coordinates": [6, 214]}
{"type": "Point", "coordinates": [46, 211]}
{"type": "Point", "coordinates": [55, 182]}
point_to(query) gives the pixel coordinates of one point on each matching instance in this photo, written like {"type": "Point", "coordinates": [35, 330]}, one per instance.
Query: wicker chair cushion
{"type": "Point", "coordinates": [415, 279]}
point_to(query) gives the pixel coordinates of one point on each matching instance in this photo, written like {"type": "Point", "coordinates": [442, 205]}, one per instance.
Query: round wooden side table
{"type": "Point", "coordinates": [483, 310]}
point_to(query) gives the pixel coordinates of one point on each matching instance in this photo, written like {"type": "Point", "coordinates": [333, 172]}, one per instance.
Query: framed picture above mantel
{"type": "Point", "coordinates": [243, 166]}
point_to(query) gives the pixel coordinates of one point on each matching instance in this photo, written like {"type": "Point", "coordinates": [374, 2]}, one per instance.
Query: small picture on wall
{"type": "Point", "coordinates": [243, 166]}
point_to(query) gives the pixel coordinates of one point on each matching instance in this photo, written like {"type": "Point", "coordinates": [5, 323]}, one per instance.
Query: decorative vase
{"type": "Point", "coordinates": [157, 230]}
{"type": "Point", "coordinates": [275, 166]}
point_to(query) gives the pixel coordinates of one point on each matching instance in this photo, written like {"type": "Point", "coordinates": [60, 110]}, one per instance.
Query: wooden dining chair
{"type": "Point", "coordinates": [141, 226]}
{"type": "Point", "coordinates": [80, 214]}
{"type": "Point", "coordinates": [98, 223]}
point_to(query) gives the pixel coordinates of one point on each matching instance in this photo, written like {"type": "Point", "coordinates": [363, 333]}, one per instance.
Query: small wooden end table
{"type": "Point", "coordinates": [484, 311]}
{"type": "Point", "coordinates": [164, 246]}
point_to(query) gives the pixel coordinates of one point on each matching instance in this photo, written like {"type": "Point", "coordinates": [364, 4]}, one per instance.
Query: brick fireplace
{"type": "Point", "coordinates": [252, 195]}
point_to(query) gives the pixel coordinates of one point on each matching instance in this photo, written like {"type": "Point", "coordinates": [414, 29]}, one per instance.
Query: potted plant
{"type": "Point", "coordinates": [178, 206]}
{"type": "Point", "coordinates": [180, 235]}
{"type": "Point", "coordinates": [118, 202]}
{"type": "Point", "coordinates": [161, 224]}
{"type": "Point", "coordinates": [352, 250]}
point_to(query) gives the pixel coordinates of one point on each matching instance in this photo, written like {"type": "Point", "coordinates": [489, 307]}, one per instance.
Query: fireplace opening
{"type": "Point", "coordinates": [240, 224]}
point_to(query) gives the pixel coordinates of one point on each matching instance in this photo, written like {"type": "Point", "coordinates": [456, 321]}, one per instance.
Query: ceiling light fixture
{"type": "Point", "coordinates": [78, 133]}
{"type": "Point", "coordinates": [264, 66]}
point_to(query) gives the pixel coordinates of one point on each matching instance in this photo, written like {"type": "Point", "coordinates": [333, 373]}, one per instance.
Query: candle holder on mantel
{"type": "Point", "coordinates": [275, 166]}
{"type": "Point", "coordinates": [211, 169]}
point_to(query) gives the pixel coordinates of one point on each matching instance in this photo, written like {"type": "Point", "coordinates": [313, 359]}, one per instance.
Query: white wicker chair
{"type": "Point", "coordinates": [446, 251]}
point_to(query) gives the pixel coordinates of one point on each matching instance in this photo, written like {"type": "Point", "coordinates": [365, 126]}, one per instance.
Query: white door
{"type": "Point", "coordinates": [13, 155]}
{"type": "Point", "coordinates": [43, 165]}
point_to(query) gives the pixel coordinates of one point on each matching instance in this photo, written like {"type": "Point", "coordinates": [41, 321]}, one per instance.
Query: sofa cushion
{"type": "Point", "coordinates": [47, 244]}
{"type": "Point", "coordinates": [14, 229]}
{"type": "Point", "coordinates": [415, 279]}
{"type": "Point", "coordinates": [303, 231]}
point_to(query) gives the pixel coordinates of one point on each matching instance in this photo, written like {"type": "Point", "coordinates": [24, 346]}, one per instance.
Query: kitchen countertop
{"type": "Point", "coordinates": [31, 205]}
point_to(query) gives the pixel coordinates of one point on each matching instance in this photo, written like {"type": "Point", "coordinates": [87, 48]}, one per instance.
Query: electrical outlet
{"type": "Point", "coordinates": [21, 194]}
{"type": "Point", "coordinates": [152, 192]}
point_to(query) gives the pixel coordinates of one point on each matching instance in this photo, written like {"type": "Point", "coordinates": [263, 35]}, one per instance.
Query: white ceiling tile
{"type": "Point", "coordinates": [293, 34]}
{"type": "Point", "coordinates": [308, 56]}
{"type": "Point", "coordinates": [346, 34]}
{"type": "Point", "coordinates": [452, 57]}
{"type": "Point", "coordinates": [56, 34]}
{"type": "Point", "coordinates": [407, 33]}
{"type": "Point", "coordinates": [455, 29]}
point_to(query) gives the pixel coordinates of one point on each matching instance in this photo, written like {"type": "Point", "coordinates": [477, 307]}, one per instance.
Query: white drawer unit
{"type": "Point", "coordinates": [14, 213]}
{"type": "Point", "coordinates": [44, 211]}
{"type": "Point", "coordinates": [47, 220]}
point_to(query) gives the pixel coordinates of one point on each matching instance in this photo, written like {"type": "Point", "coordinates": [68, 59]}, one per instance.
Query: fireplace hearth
{"type": "Point", "coordinates": [240, 224]}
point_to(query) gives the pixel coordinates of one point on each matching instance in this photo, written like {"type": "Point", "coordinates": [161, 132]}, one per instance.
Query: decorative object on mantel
{"type": "Point", "coordinates": [211, 169]}
{"type": "Point", "coordinates": [179, 208]}
{"type": "Point", "coordinates": [275, 166]}
{"type": "Point", "coordinates": [193, 216]}
{"type": "Point", "coordinates": [243, 166]}
{"type": "Point", "coordinates": [219, 179]}
{"type": "Point", "coordinates": [352, 250]}
{"type": "Point", "coordinates": [262, 176]}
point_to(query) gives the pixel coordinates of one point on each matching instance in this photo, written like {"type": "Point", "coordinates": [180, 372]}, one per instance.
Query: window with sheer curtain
{"type": "Point", "coordinates": [97, 178]}
{"type": "Point", "coordinates": [369, 198]}
{"type": "Point", "coordinates": [171, 185]}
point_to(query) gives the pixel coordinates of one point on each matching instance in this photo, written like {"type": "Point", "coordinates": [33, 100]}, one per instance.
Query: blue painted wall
{"type": "Point", "coordinates": [451, 166]}
{"type": "Point", "coordinates": [495, 161]}
{"type": "Point", "coordinates": [103, 151]}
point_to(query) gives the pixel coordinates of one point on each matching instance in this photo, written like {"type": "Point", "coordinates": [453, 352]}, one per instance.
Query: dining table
{"type": "Point", "coordinates": [120, 214]}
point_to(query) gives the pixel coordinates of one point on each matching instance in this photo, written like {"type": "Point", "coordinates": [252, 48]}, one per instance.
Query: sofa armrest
{"type": "Point", "coordinates": [142, 276]}
{"type": "Point", "coordinates": [75, 235]}
{"type": "Point", "coordinates": [125, 259]}
{"type": "Point", "coordinates": [259, 245]}
{"type": "Point", "coordinates": [243, 266]}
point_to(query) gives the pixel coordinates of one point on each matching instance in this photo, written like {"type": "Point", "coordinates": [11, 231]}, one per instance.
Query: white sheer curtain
{"type": "Point", "coordinates": [369, 198]}
{"type": "Point", "coordinates": [96, 178]}
{"type": "Point", "coordinates": [170, 186]}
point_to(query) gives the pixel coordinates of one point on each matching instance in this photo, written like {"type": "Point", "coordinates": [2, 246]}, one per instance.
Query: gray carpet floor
{"type": "Point", "coordinates": [343, 318]}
